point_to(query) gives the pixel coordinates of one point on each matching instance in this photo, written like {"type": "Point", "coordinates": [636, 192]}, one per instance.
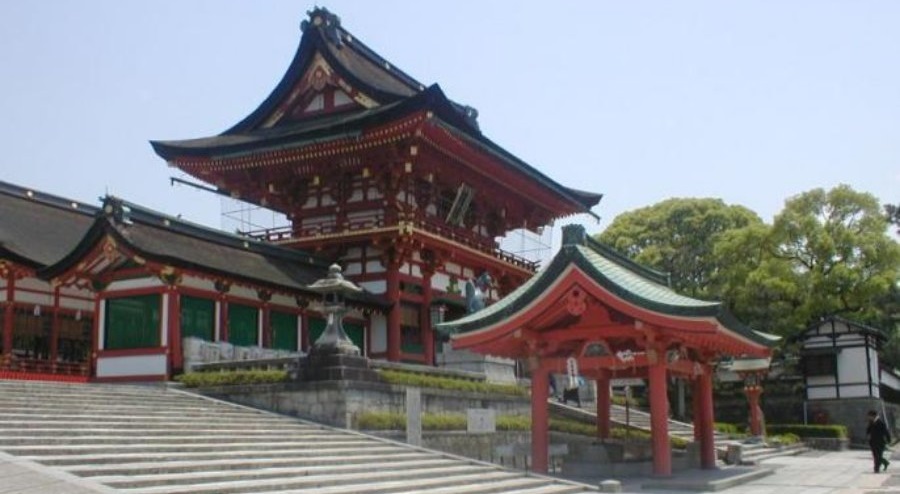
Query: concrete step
{"type": "Point", "coordinates": [198, 430]}
{"type": "Point", "coordinates": [173, 417]}
{"type": "Point", "coordinates": [79, 440]}
{"type": "Point", "coordinates": [756, 455]}
{"type": "Point", "coordinates": [519, 485]}
{"type": "Point", "coordinates": [154, 440]}
{"type": "Point", "coordinates": [164, 465]}
{"type": "Point", "coordinates": [320, 453]}
{"type": "Point", "coordinates": [135, 425]}
{"type": "Point", "coordinates": [56, 449]}
{"type": "Point", "coordinates": [371, 482]}
{"type": "Point", "coordinates": [321, 475]}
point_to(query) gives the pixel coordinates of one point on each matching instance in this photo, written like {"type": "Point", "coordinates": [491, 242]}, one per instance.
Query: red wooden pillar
{"type": "Point", "coordinates": [98, 342]}
{"type": "Point", "coordinates": [753, 394]}
{"type": "Point", "coordinates": [659, 417]}
{"type": "Point", "coordinates": [304, 332]}
{"type": "Point", "coordinates": [695, 408]}
{"type": "Point", "coordinates": [393, 320]}
{"type": "Point", "coordinates": [54, 331]}
{"type": "Point", "coordinates": [8, 316]}
{"type": "Point", "coordinates": [176, 357]}
{"type": "Point", "coordinates": [707, 420]}
{"type": "Point", "coordinates": [266, 326]}
{"type": "Point", "coordinates": [425, 322]}
{"type": "Point", "coordinates": [223, 318]}
{"type": "Point", "coordinates": [540, 436]}
{"type": "Point", "coordinates": [604, 402]}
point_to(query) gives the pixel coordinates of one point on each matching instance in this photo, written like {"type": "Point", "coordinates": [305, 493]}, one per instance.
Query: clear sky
{"type": "Point", "coordinates": [750, 102]}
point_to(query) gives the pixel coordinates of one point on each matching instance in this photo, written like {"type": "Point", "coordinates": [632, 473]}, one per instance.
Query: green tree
{"type": "Point", "coordinates": [893, 215]}
{"type": "Point", "coordinates": [840, 256]}
{"type": "Point", "coordinates": [678, 236]}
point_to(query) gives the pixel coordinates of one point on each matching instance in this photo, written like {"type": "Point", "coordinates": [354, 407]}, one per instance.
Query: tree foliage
{"type": "Point", "coordinates": [841, 258]}
{"type": "Point", "coordinates": [827, 252]}
{"type": "Point", "coordinates": [893, 215]}
{"type": "Point", "coordinates": [677, 236]}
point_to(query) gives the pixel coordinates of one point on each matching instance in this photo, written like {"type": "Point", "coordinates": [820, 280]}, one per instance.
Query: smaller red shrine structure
{"type": "Point", "coordinates": [616, 319]}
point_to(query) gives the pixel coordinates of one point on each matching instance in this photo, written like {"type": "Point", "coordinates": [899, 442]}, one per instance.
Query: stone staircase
{"type": "Point", "coordinates": [752, 450]}
{"type": "Point", "coordinates": [154, 439]}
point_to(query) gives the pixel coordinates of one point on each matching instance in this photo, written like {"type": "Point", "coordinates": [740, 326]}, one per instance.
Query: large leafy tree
{"type": "Point", "coordinates": [839, 253]}
{"type": "Point", "coordinates": [827, 252]}
{"type": "Point", "coordinates": [678, 236]}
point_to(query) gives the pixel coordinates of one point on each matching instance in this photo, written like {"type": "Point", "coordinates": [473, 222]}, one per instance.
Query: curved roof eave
{"type": "Point", "coordinates": [652, 296]}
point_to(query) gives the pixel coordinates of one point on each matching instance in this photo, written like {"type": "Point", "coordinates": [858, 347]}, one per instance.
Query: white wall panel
{"type": "Point", "coordinates": [137, 365]}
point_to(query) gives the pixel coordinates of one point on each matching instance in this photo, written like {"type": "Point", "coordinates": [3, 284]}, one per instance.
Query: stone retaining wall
{"type": "Point", "coordinates": [339, 403]}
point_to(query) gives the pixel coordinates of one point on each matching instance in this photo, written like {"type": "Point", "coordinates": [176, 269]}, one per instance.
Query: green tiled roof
{"type": "Point", "coordinates": [619, 275]}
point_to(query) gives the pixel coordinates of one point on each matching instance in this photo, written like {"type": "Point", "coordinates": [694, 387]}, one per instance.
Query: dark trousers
{"type": "Point", "coordinates": [571, 394]}
{"type": "Point", "coordinates": [878, 456]}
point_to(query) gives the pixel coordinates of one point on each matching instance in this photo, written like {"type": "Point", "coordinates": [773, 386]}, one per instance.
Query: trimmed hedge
{"type": "Point", "coordinates": [729, 429]}
{"type": "Point", "coordinates": [457, 422]}
{"type": "Point", "coordinates": [803, 431]}
{"type": "Point", "coordinates": [405, 378]}
{"type": "Point", "coordinates": [226, 378]}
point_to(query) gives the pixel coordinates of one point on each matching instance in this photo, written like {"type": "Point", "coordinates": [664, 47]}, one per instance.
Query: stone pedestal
{"type": "Point", "coordinates": [336, 367]}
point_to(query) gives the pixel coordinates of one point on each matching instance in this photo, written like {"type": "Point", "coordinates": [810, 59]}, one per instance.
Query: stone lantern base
{"type": "Point", "coordinates": [336, 367]}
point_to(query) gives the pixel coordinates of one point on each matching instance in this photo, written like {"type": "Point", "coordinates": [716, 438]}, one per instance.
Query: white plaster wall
{"type": "Point", "coordinates": [352, 268]}
{"type": "Point", "coordinates": [378, 286]}
{"type": "Point", "coordinates": [378, 331]}
{"type": "Point", "coordinates": [33, 284]}
{"type": "Point", "coordinates": [374, 267]}
{"type": "Point", "coordinates": [243, 292]}
{"type": "Point", "coordinates": [453, 268]}
{"type": "Point", "coordinates": [138, 365]}
{"type": "Point", "coordinates": [283, 301]}
{"type": "Point", "coordinates": [440, 281]}
{"type": "Point", "coordinates": [851, 365]}
{"type": "Point", "coordinates": [821, 393]}
{"type": "Point", "coordinates": [198, 283]}
{"type": "Point", "coordinates": [133, 284]}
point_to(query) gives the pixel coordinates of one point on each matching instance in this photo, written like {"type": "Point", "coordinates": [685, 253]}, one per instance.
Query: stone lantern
{"type": "Point", "coordinates": [752, 371]}
{"type": "Point", "coordinates": [334, 288]}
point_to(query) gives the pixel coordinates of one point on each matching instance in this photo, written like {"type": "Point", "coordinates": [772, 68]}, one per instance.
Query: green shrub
{"type": "Point", "coordinates": [435, 422]}
{"type": "Point", "coordinates": [406, 378]}
{"type": "Point", "coordinates": [573, 427]}
{"type": "Point", "coordinates": [633, 402]}
{"type": "Point", "coordinates": [785, 439]}
{"type": "Point", "coordinates": [513, 423]}
{"type": "Point", "coordinates": [729, 429]}
{"type": "Point", "coordinates": [804, 431]}
{"type": "Point", "coordinates": [381, 421]}
{"type": "Point", "coordinates": [227, 378]}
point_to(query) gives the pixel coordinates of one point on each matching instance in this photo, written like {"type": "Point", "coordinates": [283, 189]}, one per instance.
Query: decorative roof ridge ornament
{"type": "Point", "coordinates": [328, 22]}
{"type": "Point", "coordinates": [574, 235]}
{"type": "Point", "coordinates": [115, 209]}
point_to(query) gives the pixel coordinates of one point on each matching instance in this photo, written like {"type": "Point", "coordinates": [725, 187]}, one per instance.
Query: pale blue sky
{"type": "Point", "coordinates": [750, 102]}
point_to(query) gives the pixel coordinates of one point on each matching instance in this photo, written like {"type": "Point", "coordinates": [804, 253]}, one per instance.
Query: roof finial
{"type": "Point", "coordinates": [329, 23]}
{"type": "Point", "coordinates": [573, 235]}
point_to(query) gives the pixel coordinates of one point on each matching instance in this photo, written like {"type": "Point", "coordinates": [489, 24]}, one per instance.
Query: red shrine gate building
{"type": "Point", "coordinates": [383, 175]}
{"type": "Point", "coordinates": [616, 319]}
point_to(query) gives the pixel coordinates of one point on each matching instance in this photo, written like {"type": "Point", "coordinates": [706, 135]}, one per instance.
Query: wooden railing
{"type": "Point", "coordinates": [461, 236]}
{"type": "Point", "coordinates": [12, 364]}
